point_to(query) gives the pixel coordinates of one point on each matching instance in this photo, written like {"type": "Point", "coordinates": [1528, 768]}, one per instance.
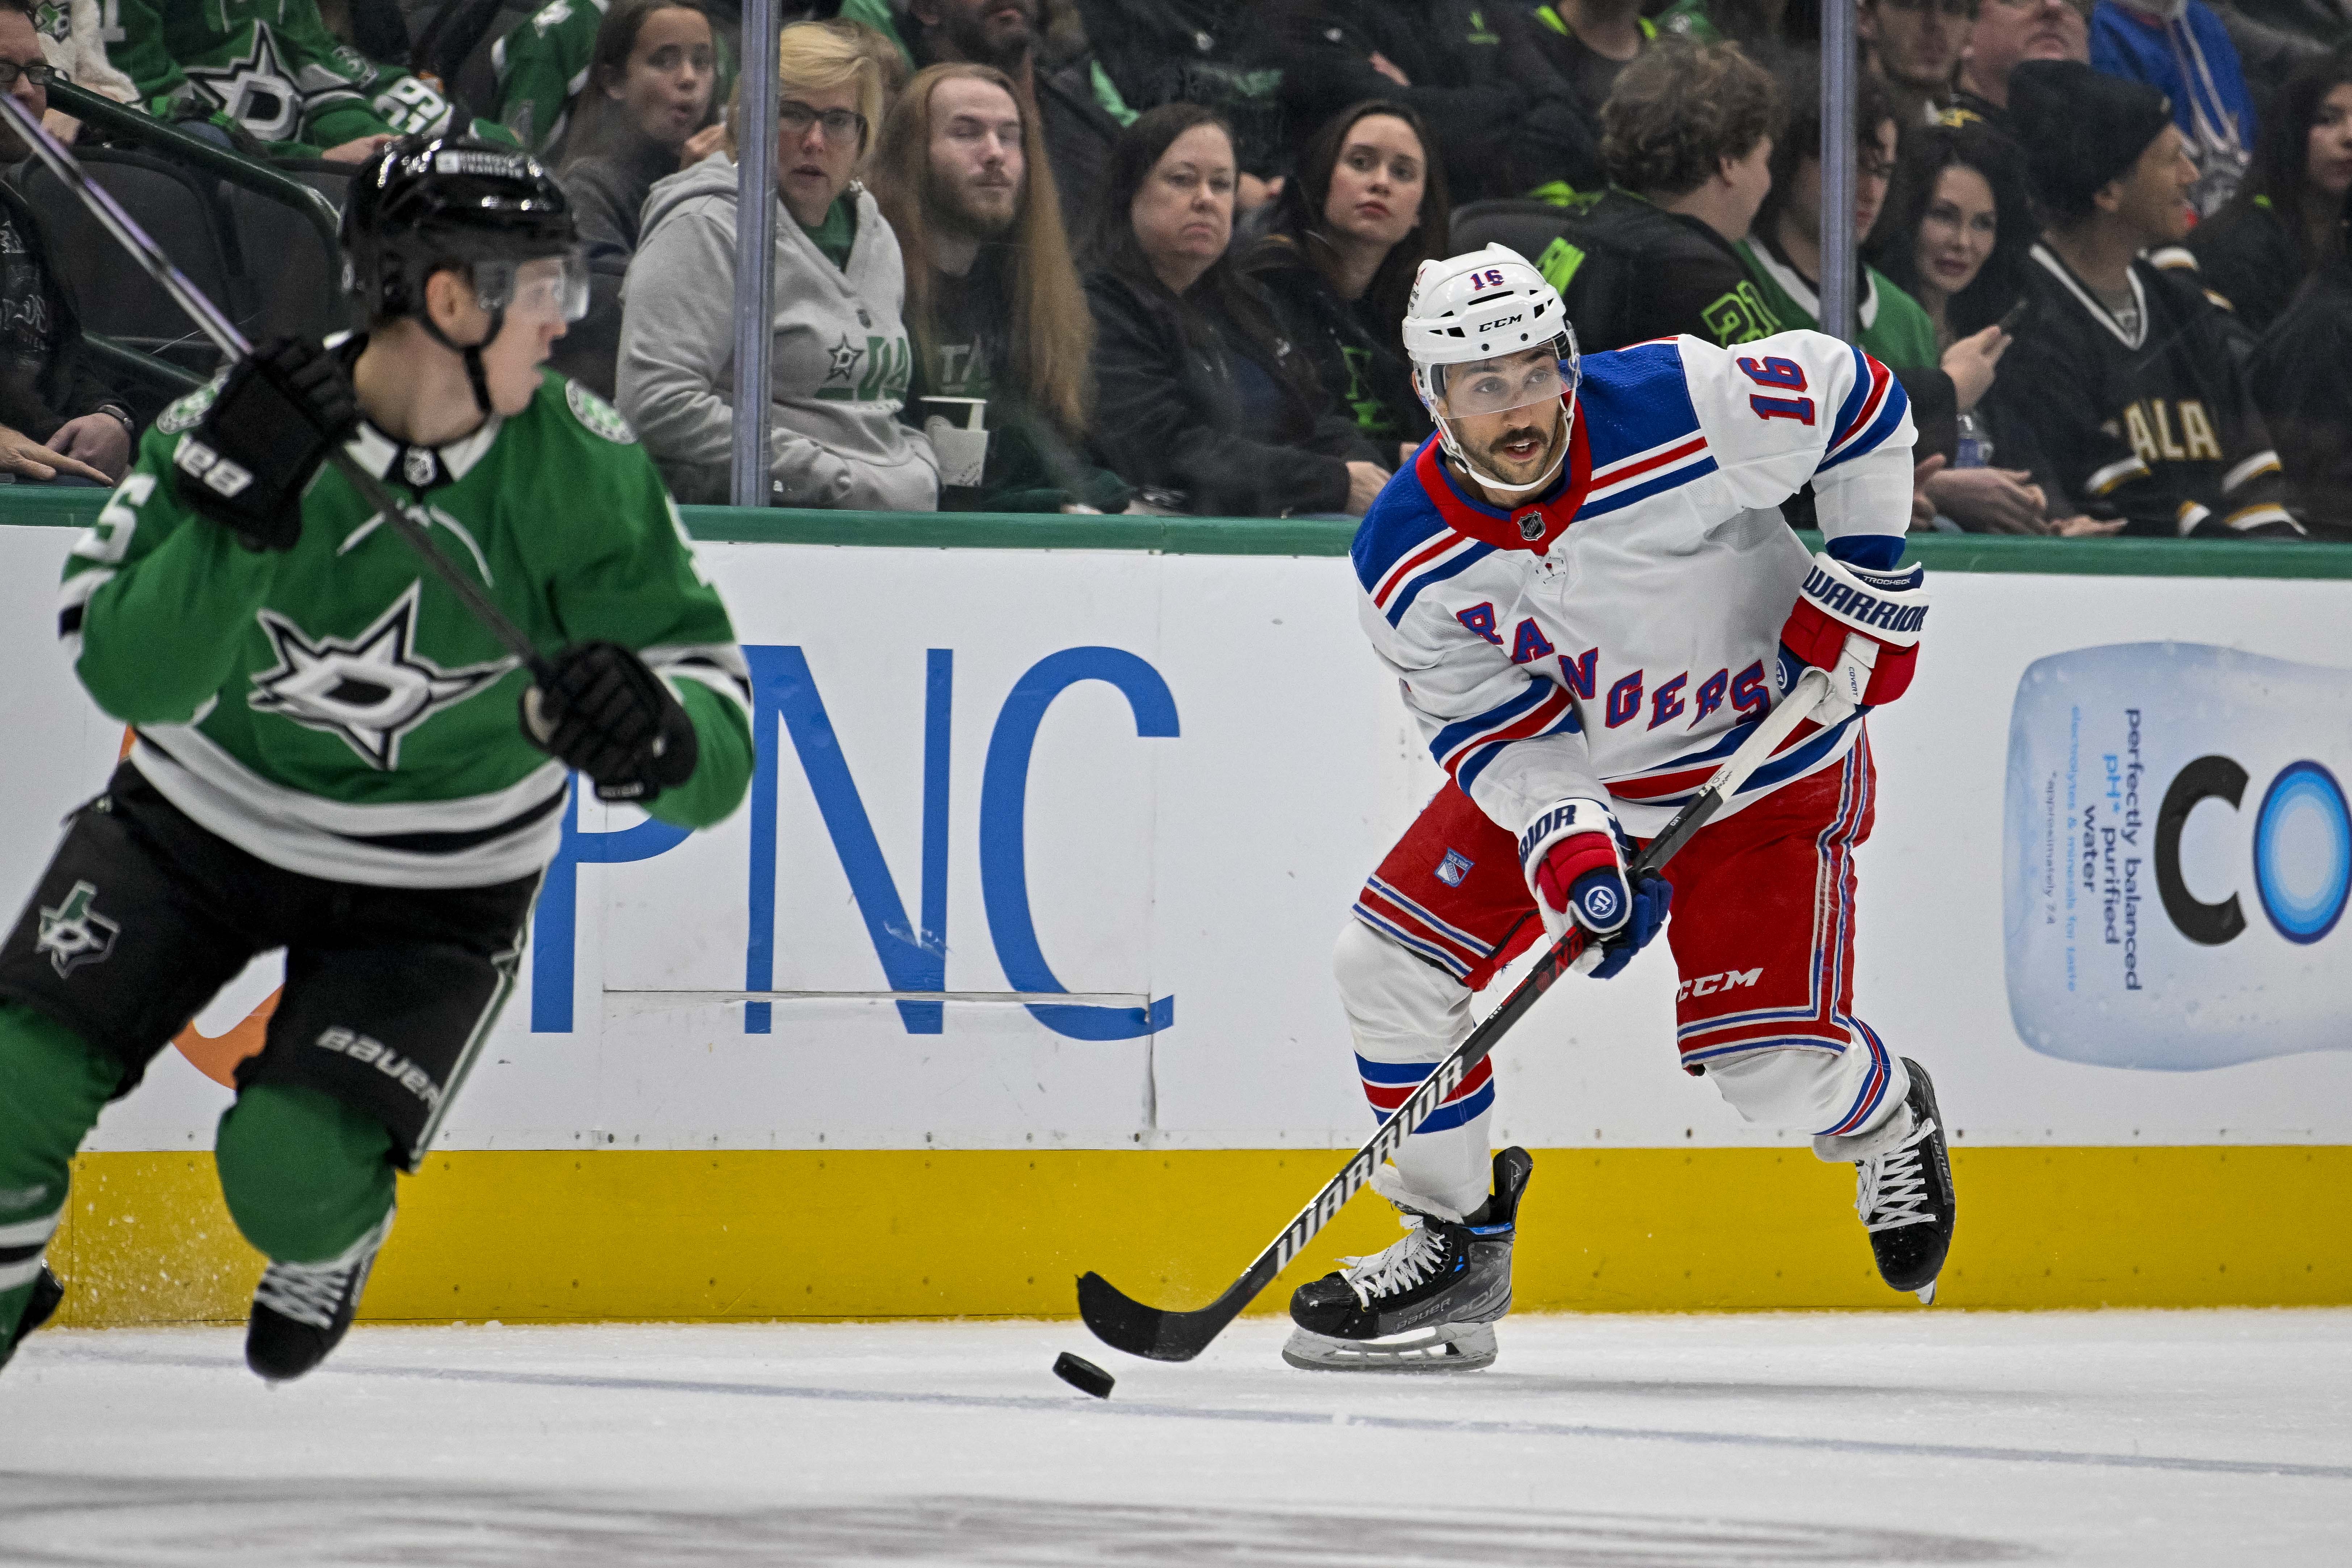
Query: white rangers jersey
{"type": "Point", "coordinates": [1613, 638]}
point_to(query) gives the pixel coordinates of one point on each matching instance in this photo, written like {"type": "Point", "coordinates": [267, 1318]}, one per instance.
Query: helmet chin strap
{"type": "Point", "coordinates": [471, 353]}
{"type": "Point", "coordinates": [1453, 449]}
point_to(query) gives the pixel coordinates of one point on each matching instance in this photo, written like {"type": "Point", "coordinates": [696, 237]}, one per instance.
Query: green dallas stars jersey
{"type": "Point", "coordinates": [270, 67]}
{"type": "Point", "coordinates": [334, 710]}
{"type": "Point", "coordinates": [541, 68]}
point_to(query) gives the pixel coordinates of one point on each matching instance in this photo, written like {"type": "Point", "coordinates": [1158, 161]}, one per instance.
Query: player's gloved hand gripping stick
{"type": "Point", "coordinates": [595, 708]}
{"type": "Point", "coordinates": [1127, 1324]}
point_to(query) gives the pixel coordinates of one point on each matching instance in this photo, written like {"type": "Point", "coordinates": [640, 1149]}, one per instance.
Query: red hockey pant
{"type": "Point", "coordinates": [1762, 938]}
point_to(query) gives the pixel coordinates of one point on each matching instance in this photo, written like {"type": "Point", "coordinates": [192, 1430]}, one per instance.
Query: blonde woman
{"type": "Point", "coordinates": [841, 361]}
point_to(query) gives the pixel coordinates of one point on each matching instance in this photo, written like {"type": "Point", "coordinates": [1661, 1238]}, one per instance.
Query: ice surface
{"type": "Point", "coordinates": [1721, 1441]}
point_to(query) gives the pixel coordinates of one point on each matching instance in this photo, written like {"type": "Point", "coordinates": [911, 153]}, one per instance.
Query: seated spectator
{"type": "Point", "coordinates": [993, 305]}
{"type": "Point", "coordinates": [2303, 379]}
{"type": "Point", "coordinates": [2007, 32]}
{"type": "Point", "coordinates": [1366, 207]}
{"type": "Point", "coordinates": [270, 70]}
{"type": "Point", "coordinates": [644, 114]}
{"type": "Point", "coordinates": [57, 420]}
{"type": "Point", "coordinates": [1079, 126]}
{"type": "Point", "coordinates": [838, 377]}
{"type": "Point", "coordinates": [1506, 120]}
{"type": "Point", "coordinates": [1959, 224]}
{"type": "Point", "coordinates": [73, 39]}
{"type": "Point", "coordinates": [1765, 29]}
{"type": "Point", "coordinates": [1916, 45]}
{"type": "Point", "coordinates": [2121, 385]}
{"type": "Point", "coordinates": [1688, 140]}
{"type": "Point", "coordinates": [2180, 48]}
{"type": "Point", "coordinates": [1590, 43]}
{"type": "Point", "coordinates": [1199, 396]}
{"type": "Point", "coordinates": [2284, 224]}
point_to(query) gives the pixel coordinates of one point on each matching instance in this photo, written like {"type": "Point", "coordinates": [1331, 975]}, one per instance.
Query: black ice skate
{"type": "Point", "coordinates": [300, 1311]}
{"type": "Point", "coordinates": [1427, 1304]}
{"type": "Point", "coordinates": [39, 1308]}
{"type": "Point", "coordinates": [1903, 1191]}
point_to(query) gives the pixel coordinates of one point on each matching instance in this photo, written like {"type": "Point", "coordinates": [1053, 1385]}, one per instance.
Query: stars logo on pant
{"type": "Point", "coordinates": [74, 934]}
{"type": "Point", "coordinates": [371, 690]}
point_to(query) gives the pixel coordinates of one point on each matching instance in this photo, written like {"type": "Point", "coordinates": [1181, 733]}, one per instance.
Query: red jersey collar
{"type": "Point", "coordinates": [1507, 528]}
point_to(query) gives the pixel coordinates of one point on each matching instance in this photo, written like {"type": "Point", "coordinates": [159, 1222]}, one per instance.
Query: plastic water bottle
{"type": "Point", "coordinates": [2178, 857]}
{"type": "Point", "coordinates": [1975, 449]}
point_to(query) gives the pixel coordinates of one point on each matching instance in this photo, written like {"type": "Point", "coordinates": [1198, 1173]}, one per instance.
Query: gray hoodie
{"type": "Point", "coordinates": [841, 361]}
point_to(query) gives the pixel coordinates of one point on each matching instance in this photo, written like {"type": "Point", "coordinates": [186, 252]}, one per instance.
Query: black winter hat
{"type": "Point", "coordinates": [2081, 128]}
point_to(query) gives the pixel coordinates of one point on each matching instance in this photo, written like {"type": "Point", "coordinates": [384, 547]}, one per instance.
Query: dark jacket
{"type": "Point", "coordinates": [1214, 420]}
{"type": "Point", "coordinates": [2158, 426]}
{"type": "Point", "coordinates": [608, 191]}
{"type": "Point", "coordinates": [1079, 131]}
{"type": "Point", "coordinates": [1506, 122]}
{"type": "Point", "coordinates": [1357, 359]}
{"type": "Point", "coordinates": [1193, 51]}
{"type": "Point", "coordinates": [1032, 465]}
{"type": "Point", "coordinates": [1628, 269]}
{"type": "Point", "coordinates": [46, 378]}
{"type": "Point", "coordinates": [2301, 378]}
{"type": "Point", "coordinates": [2249, 257]}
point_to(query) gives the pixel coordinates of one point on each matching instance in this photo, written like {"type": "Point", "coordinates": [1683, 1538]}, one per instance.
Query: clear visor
{"type": "Point", "coordinates": [543, 288]}
{"type": "Point", "coordinates": [1490, 386]}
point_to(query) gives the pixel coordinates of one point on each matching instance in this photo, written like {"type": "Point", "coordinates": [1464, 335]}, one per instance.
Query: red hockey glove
{"type": "Point", "coordinates": [1573, 854]}
{"type": "Point", "coordinates": [1863, 628]}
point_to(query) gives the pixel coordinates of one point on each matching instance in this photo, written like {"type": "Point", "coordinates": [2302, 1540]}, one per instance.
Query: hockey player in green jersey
{"type": "Point", "coordinates": [270, 69]}
{"type": "Point", "coordinates": [332, 756]}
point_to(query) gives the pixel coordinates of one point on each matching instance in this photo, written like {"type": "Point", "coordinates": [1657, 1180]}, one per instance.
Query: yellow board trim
{"type": "Point", "coordinates": [555, 1237]}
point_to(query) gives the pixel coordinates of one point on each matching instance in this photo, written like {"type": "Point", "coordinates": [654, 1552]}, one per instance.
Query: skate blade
{"type": "Point", "coordinates": [1927, 1294]}
{"type": "Point", "coordinates": [1451, 1347]}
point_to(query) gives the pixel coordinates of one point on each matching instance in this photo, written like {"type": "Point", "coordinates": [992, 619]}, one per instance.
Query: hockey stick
{"type": "Point", "coordinates": [1124, 1323]}
{"type": "Point", "coordinates": [224, 334]}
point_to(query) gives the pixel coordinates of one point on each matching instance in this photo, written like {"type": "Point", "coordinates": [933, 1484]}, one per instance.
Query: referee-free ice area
{"type": "Point", "coordinates": [2132, 1438]}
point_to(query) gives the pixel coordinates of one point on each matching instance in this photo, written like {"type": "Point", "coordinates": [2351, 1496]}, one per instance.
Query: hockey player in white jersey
{"type": "Point", "coordinates": [1588, 596]}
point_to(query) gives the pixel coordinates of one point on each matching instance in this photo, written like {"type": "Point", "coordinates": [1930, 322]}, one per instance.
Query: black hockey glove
{"type": "Point", "coordinates": [614, 720]}
{"type": "Point", "coordinates": [247, 463]}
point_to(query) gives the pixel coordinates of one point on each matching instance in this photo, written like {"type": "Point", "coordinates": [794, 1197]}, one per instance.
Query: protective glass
{"type": "Point", "coordinates": [1498, 385]}
{"type": "Point", "coordinates": [546, 288]}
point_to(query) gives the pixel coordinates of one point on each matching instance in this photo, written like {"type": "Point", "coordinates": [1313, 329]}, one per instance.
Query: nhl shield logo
{"type": "Point", "coordinates": [1454, 868]}
{"type": "Point", "coordinates": [1531, 525]}
{"type": "Point", "coordinates": [74, 934]}
{"type": "Point", "coordinates": [419, 468]}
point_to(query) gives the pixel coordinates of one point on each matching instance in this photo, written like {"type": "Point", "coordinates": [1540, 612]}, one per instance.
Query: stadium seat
{"type": "Point", "coordinates": [182, 210]}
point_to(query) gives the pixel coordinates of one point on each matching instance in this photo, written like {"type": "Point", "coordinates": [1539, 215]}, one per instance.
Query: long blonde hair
{"type": "Point", "coordinates": [821, 55]}
{"type": "Point", "coordinates": [1050, 333]}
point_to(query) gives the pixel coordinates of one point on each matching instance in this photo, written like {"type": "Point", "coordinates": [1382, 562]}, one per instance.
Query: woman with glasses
{"type": "Point", "coordinates": [841, 361]}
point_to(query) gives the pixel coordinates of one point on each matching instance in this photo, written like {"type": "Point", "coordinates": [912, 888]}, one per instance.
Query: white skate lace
{"type": "Point", "coordinates": [307, 1292]}
{"type": "Point", "coordinates": [1396, 1269]}
{"type": "Point", "coordinates": [1892, 1187]}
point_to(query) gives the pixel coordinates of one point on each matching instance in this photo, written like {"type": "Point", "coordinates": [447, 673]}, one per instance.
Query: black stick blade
{"type": "Point", "coordinates": [1126, 1324]}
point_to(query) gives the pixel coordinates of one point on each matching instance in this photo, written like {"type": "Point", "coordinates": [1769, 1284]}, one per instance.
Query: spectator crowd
{"type": "Point", "coordinates": [1114, 255]}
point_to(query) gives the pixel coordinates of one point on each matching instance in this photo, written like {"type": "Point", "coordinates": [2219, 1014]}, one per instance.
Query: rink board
{"type": "Point", "coordinates": [1145, 770]}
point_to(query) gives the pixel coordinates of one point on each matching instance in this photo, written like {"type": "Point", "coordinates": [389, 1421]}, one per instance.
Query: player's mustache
{"type": "Point", "coordinates": [1519, 433]}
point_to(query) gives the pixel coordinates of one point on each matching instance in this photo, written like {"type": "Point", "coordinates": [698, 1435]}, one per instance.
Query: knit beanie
{"type": "Point", "coordinates": [2081, 128]}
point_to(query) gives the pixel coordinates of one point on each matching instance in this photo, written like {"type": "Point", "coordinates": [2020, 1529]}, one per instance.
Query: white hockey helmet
{"type": "Point", "coordinates": [1483, 305]}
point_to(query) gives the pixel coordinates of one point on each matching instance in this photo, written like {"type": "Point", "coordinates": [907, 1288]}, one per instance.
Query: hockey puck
{"type": "Point", "coordinates": [1083, 1376]}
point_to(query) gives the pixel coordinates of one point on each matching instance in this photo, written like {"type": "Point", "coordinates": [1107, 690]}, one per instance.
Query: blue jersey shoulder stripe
{"type": "Point", "coordinates": [1393, 529]}
{"type": "Point", "coordinates": [1453, 566]}
{"type": "Point", "coordinates": [1856, 397]}
{"type": "Point", "coordinates": [1639, 399]}
{"type": "Point", "coordinates": [1890, 415]}
{"type": "Point", "coordinates": [1671, 480]}
{"type": "Point", "coordinates": [1530, 695]}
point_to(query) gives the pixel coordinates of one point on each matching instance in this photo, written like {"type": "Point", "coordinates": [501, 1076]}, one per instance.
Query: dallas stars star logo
{"type": "Point", "coordinates": [74, 934]}
{"type": "Point", "coordinates": [256, 92]}
{"type": "Point", "coordinates": [844, 360]}
{"type": "Point", "coordinates": [371, 690]}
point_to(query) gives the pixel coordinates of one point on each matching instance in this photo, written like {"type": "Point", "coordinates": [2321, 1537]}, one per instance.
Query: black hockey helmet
{"type": "Point", "coordinates": [422, 206]}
